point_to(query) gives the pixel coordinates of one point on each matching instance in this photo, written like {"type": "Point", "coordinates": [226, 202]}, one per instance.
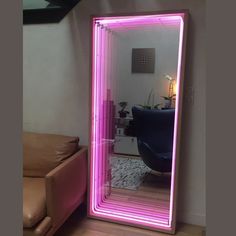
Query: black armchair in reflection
{"type": "Point", "coordinates": [155, 130]}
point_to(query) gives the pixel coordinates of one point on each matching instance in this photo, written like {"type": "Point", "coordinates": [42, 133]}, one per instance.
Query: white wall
{"type": "Point", "coordinates": [56, 86]}
{"type": "Point", "coordinates": [134, 88]}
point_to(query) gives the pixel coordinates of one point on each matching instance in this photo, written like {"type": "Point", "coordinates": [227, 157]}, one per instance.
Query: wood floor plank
{"type": "Point", "coordinates": [79, 225]}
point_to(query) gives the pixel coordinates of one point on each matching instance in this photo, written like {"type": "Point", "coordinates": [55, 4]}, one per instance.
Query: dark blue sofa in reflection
{"type": "Point", "coordinates": [154, 129]}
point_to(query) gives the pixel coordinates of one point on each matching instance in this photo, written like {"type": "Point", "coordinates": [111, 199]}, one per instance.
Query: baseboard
{"type": "Point", "coordinates": [194, 219]}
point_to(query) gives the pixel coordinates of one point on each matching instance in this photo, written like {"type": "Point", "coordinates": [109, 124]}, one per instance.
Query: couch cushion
{"type": "Point", "coordinates": [43, 152]}
{"type": "Point", "coordinates": [34, 201]}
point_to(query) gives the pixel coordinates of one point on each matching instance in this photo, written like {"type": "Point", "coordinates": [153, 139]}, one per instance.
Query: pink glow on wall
{"type": "Point", "coordinates": [100, 203]}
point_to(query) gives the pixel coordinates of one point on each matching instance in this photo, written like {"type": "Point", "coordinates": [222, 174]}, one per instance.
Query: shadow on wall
{"type": "Point", "coordinates": [130, 6]}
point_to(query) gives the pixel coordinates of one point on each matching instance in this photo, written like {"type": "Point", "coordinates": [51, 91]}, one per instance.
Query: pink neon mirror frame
{"type": "Point", "coordinates": [101, 130]}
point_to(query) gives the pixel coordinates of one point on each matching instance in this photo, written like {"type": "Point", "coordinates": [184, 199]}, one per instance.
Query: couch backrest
{"type": "Point", "coordinates": [43, 152]}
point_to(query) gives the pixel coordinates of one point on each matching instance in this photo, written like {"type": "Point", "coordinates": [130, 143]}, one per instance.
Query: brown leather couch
{"type": "Point", "coordinates": [54, 182]}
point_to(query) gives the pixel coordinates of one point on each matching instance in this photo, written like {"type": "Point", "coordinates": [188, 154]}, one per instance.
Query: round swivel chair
{"type": "Point", "coordinates": [155, 129]}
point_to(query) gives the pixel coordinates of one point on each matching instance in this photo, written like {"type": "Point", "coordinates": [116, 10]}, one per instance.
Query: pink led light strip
{"type": "Point", "coordinates": [136, 210]}
{"type": "Point", "coordinates": [99, 204]}
{"type": "Point", "coordinates": [176, 118]}
{"type": "Point", "coordinates": [134, 19]}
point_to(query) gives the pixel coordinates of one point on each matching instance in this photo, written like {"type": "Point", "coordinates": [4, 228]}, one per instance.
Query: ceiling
{"type": "Point", "coordinates": [46, 11]}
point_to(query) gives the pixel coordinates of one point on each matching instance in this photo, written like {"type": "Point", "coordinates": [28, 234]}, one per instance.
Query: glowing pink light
{"type": "Point", "coordinates": [146, 18]}
{"type": "Point", "coordinates": [99, 205]}
{"type": "Point", "coordinates": [127, 218]}
{"type": "Point", "coordinates": [140, 24]}
{"type": "Point", "coordinates": [152, 212]}
{"type": "Point", "coordinates": [93, 112]}
{"type": "Point", "coordinates": [126, 213]}
{"type": "Point", "coordinates": [119, 27]}
{"type": "Point", "coordinates": [176, 118]}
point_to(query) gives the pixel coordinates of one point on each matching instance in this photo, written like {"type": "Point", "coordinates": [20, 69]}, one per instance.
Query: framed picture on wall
{"type": "Point", "coordinates": [143, 60]}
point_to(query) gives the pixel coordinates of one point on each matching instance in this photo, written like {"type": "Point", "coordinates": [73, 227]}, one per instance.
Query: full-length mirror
{"type": "Point", "coordinates": [137, 80]}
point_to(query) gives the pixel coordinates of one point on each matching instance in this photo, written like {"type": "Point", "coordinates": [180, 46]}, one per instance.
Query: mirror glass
{"type": "Point", "coordinates": [136, 68]}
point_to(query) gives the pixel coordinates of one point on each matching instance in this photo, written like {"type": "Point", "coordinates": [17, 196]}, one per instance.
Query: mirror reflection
{"type": "Point", "coordinates": [144, 101]}
{"type": "Point", "coordinates": [134, 110]}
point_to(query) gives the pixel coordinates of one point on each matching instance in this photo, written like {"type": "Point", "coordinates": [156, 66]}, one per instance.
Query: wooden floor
{"type": "Point", "coordinates": [152, 197]}
{"type": "Point", "coordinates": [79, 225]}
{"type": "Point", "coordinates": [154, 189]}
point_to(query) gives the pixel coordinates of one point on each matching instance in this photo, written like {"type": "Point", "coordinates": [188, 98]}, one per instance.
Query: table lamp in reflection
{"type": "Point", "coordinates": [170, 99]}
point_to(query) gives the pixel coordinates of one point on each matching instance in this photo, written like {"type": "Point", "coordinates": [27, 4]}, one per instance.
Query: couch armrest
{"type": "Point", "coordinates": [66, 186]}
